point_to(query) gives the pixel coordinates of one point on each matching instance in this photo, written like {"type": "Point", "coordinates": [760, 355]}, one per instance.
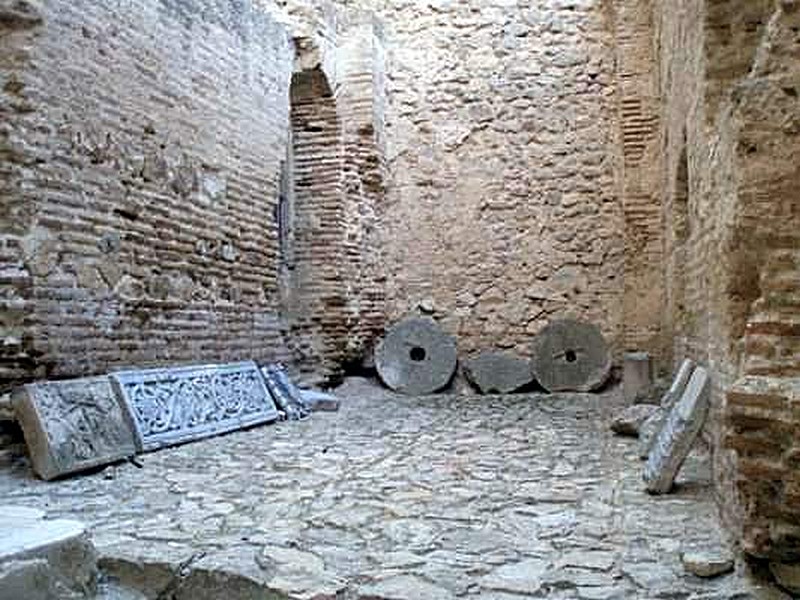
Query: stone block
{"type": "Point", "coordinates": [571, 356]}
{"type": "Point", "coordinates": [649, 429]}
{"type": "Point", "coordinates": [681, 429]}
{"type": "Point", "coordinates": [173, 406]}
{"type": "Point", "coordinates": [44, 555]}
{"type": "Point", "coordinates": [74, 425]}
{"type": "Point", "coordinates": [637, 377]}
{"type": "Point", "coordinates": [498, 372]}
{"type": "Point", "coordinates": [416, 357]}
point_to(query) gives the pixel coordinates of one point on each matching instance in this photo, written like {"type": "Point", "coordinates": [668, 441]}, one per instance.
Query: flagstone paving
{"type": "Point", "coordinates": [449, 496]}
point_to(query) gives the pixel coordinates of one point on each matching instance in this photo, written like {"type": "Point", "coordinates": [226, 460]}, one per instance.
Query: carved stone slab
{"type": "Point", "coordinates": [650, 428]}
{"type": "Point", "coordinates": [72, 426]}
{"type": "Point", "coordinates": [675, 440]}
{"type": "Point", "coordinates": [173, 406]}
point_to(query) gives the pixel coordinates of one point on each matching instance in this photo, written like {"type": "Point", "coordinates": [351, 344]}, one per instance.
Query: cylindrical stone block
{"type": "Point", "coordinates": [571, 356]}
{"type": "Point", "coordinates": [416, 357]}
{"type": "Point", "coordinates": [637, 376]}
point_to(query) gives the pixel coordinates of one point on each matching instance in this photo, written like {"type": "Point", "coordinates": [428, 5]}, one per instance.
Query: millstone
{"type": "Point", "coordinates": [571, 356]}
{"type": "Point", "coordinates": [416, 357]}
{"type": "Point", "coordinates": [498, 372]}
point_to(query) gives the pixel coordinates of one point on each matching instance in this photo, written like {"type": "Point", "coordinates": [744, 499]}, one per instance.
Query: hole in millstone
{"type": "Point", "coordinates": [570, 356]}
{"type": "Point", "coordinates": [418, 354]}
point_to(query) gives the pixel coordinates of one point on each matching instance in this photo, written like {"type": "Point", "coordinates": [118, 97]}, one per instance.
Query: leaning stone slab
{"type": "Point", "coordinates": [71, 426]}
{"type": "Point", "coordinates": [498, 372]}
{"type": "Point", "coordinates": [42, 555]}
{"type": "Point", "coordinates": [416, 357]}
{"type": "Point", "coordinates": [571, 356]}
{"type": "Point", "coordinates": [675, 440]}
{"type": "Point", "coordinates": [174, 406]}
{"type": "Point", "coordinates": [651, 427]}
{"type": "Point", "coordinates": [675, 391]}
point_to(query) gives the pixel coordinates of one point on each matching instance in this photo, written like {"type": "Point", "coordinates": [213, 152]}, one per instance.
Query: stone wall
{"type": "Point", "coordinates": [729, 79]}
{"type": "Point", "coordinates": [142, 147]}
{"type": "Point", "coordinates": [502, 209]}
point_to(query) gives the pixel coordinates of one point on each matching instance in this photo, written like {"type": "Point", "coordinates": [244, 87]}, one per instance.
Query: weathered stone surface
{"type": "Point", "coordinates": [416, 357]}
{"type": "Point", "coordinates": [675, 391]}
{"type": "Point", "coordinates": [68, 559]}
{"type": "Point", "coordinates": [72, 426]}
{"type": "Point", "coordinates": [20, 13]}
{"type": "Point", "coordinates": [787, 575]}
{"type": "Point", "coordinates": [650, 428]}
{"type": "Point", "coordinates": [637, 375]}
{"type": "Point", "coordinates": [571, 355]}
{"type": "Point", "coordinates": [675, 440]}
{"type": "Point", "coordinates": [7, 408]}
{"type": "Point", "coordinates": [629, 420]}
{"type": "Point", "coordinates": [284, 393]}
{"type": "Point", "coordinates": [446, 490]}
{"type": "Point", "coordinates": [498, 372]}
{"type": "Point", "coordinates": [707, 563]}
{"type": "Point", "coordinates": [320, 401]}
{"type": "Point", "coordinates": [173, 406]}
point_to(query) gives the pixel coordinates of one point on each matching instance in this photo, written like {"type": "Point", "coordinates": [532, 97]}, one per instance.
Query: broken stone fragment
{"type": "Point", "coordinates": [629, 421]}
{"type": "Point", "coordinates": [571, 356]}
{"type": "Point", "coordinates": [498, 372]}
{"type": "Point", "coordinates": [707, 563]}
{"type": "Point", "coordinates": [43, 555]}
{"type": "Point", "coordinates": [320, 401]}
{"type": "Point", "coordinates": [416, 357]}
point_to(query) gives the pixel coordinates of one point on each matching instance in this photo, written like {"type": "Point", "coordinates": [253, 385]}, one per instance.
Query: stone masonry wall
{"type": "Point", "coordinates": [502, 208]}
{"type": "Point", "coordinates": [140, 148]}
{"type": "Point", "coordinates": [730, 80]}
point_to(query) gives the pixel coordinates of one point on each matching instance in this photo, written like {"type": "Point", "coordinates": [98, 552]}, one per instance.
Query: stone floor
{"type": "Point", "coordinates": [497, 498]}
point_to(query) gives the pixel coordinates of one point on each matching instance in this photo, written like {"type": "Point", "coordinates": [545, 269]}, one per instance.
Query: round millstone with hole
{"type": "Point", "coordinates": [571, 356]}
{"type": "Point", "coordinates": [416, 357]}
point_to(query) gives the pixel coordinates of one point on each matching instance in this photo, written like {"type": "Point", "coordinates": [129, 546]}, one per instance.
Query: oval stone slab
{"type": "Point", "coordinates": [498, 372]}
{"type": "Point", "coordinates": [571, 356]}
{"type": "Point", "coordinates": [416, 357]}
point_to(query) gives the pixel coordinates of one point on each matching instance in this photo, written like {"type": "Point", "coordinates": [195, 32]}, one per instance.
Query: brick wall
{"type": "Point", "coordinates": [730, 80]}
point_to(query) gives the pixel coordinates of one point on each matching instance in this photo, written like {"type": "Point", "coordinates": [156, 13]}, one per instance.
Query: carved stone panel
{"type": "Point", "coordinates": [675, 440]}
{"type": "Point", "coordinates": [71, 426]}
{"type": "Point", "coordinates": [173, 406]}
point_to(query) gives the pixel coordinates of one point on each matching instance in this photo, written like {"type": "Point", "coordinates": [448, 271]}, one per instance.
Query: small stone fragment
{"type": "Point", "coordinates": [709, 563]}
{"type": "Point", "coordinates": [498, 372]}
{"type": "Point", "coordinates": [787, 575]}
{"type": "Point", "coordinates": [320, 401]}
{"type": "Point", "coordinates": [571, 356]}
{"type": "Point", "coordinates": [630, 420]}
{"type": "Point", "coordinates": [416, 357]}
